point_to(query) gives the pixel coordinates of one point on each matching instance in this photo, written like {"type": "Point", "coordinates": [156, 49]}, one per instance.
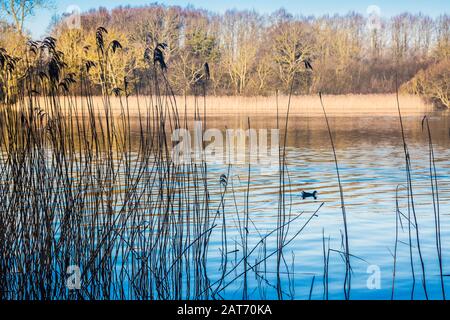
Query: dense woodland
{"type": "Point", "coordinates": [253, 54]}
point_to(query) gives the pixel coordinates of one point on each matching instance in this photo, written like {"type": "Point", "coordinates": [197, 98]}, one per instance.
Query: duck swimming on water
{"type": "Point", "coordinates": [309, 195]}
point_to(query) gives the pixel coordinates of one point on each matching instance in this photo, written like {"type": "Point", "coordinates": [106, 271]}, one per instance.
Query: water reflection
{"type": "Point", "coordinates": [372, 166]}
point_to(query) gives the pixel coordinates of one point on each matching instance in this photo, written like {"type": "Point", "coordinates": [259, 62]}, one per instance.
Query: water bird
{"type": "Point", "coordinates": [309, 195]}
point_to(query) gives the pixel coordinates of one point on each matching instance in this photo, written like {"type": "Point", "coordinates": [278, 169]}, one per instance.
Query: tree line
{"type": "Point", "coordinates": [254, 54]}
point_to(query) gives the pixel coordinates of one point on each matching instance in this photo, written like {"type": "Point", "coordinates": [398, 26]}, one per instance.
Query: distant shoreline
{"type": "Point", "coordinates": [354, 105]}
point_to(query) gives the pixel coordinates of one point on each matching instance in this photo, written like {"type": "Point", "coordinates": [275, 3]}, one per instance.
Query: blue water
{"type": "Point", "coordinates": [372, 166]}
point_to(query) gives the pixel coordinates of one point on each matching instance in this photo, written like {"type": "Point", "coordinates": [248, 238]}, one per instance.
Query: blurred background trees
{"type": "Point", "coordinates": [253, 54]}
{"type": "Point", "coordinates": [432, 83]}
{"type": "Point", "coordinates": [18, 11]}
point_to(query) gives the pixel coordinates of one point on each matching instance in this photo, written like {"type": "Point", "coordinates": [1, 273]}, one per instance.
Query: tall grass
{"type": "Point", "coordinates": [411, 206]}
{"type": "Point", "coordinates": [347, 279]}
{"type": "Point", "coordinates": [436, 206]}
{"type": "Point", "coordinates": [79, 187]}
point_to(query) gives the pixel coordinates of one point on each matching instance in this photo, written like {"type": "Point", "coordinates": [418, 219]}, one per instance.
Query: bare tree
{"type": "Point", "coordinates": [20, 10]}
{"type": "Point", "coordinates": [241, 35]}
{"type": "Point", "coordinates": [292, 49]}
{"type": "Point", "coordinates": [432, 83]}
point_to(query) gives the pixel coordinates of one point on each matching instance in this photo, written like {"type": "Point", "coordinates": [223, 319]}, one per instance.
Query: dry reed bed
{"type": "Point", "coordinates": [307, 106]}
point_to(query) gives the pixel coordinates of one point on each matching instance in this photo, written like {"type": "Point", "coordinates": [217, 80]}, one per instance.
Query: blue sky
{"type": "Point", "coordinates": [38, 24]}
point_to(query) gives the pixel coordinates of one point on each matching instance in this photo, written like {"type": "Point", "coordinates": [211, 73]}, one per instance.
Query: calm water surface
{"type": "Point", "coordinates": [372, 165]}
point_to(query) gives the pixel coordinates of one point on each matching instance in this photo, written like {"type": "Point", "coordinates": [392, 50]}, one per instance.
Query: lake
{"type": "Point", "coordinates": [372, 167]}
{"type": "Point", "coordinates": [139, 227]}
